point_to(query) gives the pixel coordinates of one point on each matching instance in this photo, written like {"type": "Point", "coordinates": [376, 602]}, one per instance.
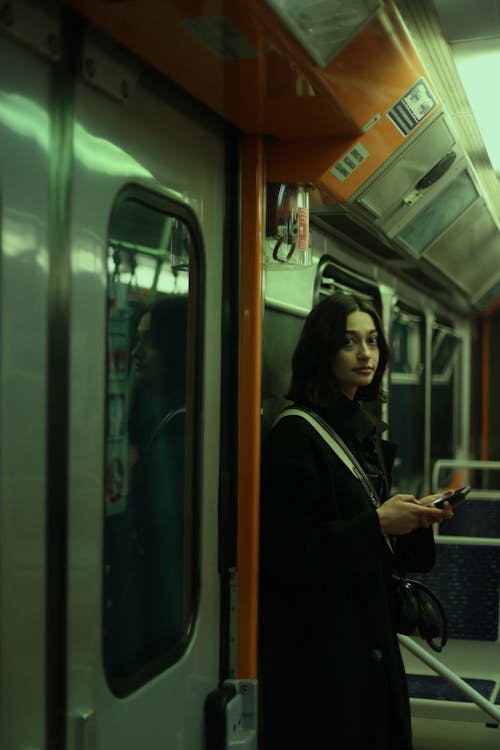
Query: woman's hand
{"type": "Point", "coordinates": [428, 500]}
{"type": "Point", "coordinates": [402, 514]}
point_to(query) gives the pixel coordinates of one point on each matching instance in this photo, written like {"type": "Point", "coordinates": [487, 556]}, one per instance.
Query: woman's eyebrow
{"type": "Point", "coordinates": [357, 333]}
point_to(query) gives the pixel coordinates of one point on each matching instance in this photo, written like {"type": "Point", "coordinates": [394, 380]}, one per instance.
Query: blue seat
{"type": "Point", "coordinates": [474, 518]}
{"type": "Point", "coordinates": [432, 687]}
{"type": "Point", "coordinates": [466, 580]}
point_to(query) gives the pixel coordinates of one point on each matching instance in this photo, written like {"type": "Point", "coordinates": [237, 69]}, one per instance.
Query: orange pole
{"type": "Point", "coordinates": [252, 211]}
{"type": "Point", "coordinates": [485, 391]}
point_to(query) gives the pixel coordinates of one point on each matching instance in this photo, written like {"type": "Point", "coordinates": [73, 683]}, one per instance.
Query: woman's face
{"type": "Point", "coordinates": [357, 359]}
{"type": "Point", "coordinates": [145, 357]}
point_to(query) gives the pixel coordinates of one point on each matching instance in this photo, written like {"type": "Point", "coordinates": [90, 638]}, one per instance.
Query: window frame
{"type": "Point", "coordinates": [444, 331]}
{"type": "Point", "coordinates": [416, 326]}
{"type": "Point", "coordinates": [174, 208]}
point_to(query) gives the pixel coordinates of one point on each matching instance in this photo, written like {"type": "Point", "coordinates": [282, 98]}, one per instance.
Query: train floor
{"type": "Point", "coordinates": [437, 734]}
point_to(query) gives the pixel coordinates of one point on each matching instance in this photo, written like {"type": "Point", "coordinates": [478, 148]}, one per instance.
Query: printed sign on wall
{"type": "Point", "coordinates": [411, 109]}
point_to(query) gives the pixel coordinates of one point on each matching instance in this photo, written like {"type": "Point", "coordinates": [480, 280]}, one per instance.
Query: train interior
{"type": "Point", "coordinates": [464, 544]}
{"type": "Point", "coordinates": [247, 159]}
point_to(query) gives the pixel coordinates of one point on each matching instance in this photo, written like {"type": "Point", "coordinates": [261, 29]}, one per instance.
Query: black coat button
{"type": "Point", "coordinates": [376, 654]}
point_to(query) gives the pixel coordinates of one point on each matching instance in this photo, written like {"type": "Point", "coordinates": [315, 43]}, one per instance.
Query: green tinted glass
{"type": "Point", "coordinates": [147, 580]}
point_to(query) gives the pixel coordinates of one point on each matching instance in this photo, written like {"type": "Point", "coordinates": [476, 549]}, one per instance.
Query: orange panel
{"type": "Point", "coordinates": [154, 30]}
{"type": "Point", "coordinates": [366, 80]}
{"type": "Point", "coordinates": [368, 75]}
{"type": "Point", "coordinates": [312, 161]}
{"type": "Point", "coordinates": [259, 92]}
{"type": "Point", "coordinates": [237, 57]}
{"type": "Point", "coordinates": [375, 69]}
{"type": "Point", "coordinates": [252, 206]}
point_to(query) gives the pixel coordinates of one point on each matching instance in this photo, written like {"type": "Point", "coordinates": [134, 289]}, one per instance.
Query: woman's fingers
{"type": "Point", "coordinates": [402, 514]}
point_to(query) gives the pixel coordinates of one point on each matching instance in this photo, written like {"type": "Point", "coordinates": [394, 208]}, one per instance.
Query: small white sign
{"type": "Point", "coordinates": [351, 161]}
{"type": "Point", "coordinates": [411, 109]}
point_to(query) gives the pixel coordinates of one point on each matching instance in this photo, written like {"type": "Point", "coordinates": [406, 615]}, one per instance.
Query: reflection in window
{"type": "Point", "coordinates": [439, 215]}
{"type": "Point", "coordinates": [445, 391]}
{"type": "Point", "coordinates": [445, 345]}
{"type": "Point", "coordinates": [148, 587]}
{"type": "Point", "coordinates": [406, 405]}
{"type": "Point", "coordinates": [406, 332]}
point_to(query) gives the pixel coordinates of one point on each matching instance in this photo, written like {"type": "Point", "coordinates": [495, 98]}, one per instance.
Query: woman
{"type": "Point", "coordinates": [331, 670]}
{"type": "Point", "coordinates": [159, 366]}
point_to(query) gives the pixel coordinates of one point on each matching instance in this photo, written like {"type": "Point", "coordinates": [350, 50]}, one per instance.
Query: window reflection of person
{"type": "Point", "coordinates": [156, 432]}
{"type": "Point", "coordinates": [146, 359]}
{"type": "Point", "coordinates": [146, 590]}
{"type": "Point", "coordinates": [159, 369]}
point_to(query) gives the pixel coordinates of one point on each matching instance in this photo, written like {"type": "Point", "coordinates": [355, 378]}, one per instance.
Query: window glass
{"type": "Point", "coordinates": [406, 359]}
{"type": "Point", "coordinates": [446, 207]}
{"type": "Point", "coordinates": [445, 346]}
{"type": "Point", "coordinates": [148, 583]}
{"type": "Point", "coordinates": [406, 404]}
{"type": "Point", "coordinates": [445, 423]}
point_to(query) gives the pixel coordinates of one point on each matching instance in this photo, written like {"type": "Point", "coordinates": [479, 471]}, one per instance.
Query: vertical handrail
{"type": "Point", "coordinates": [485, 390]}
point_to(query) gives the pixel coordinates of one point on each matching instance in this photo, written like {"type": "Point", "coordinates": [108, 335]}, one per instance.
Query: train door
{"type": "Point", "coordinates": [146, 242]}
{"type": "Point", "coordinates": [25, 167]}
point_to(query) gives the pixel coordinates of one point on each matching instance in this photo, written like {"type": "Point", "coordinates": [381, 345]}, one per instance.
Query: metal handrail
{"type": "Point", "coordinates": [481, 494]}
{"type": "Point", "coordinates": [450, 676]}
{"type": "Point", "coordinates": [462, 464]}
{"type": "Point", "coordinates": [468, 541]}
{"type": "Point", "coordinates": [405, 640]}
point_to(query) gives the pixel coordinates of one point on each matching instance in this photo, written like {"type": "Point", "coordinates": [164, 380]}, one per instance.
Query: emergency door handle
{"type": "Point", "coordinates": [85, 730]}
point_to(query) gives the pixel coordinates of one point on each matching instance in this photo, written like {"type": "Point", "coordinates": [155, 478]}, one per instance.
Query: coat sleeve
{"type": "Point", "coordinates": [414, 552]}
{"type": "Point", "coordinates": [307, 538]}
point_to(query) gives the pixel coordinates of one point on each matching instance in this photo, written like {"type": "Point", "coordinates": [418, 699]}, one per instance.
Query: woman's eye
{"type": "Point", "coordinates": [373, 340]}
{"type": "Point", "coordinates": [347, 341]}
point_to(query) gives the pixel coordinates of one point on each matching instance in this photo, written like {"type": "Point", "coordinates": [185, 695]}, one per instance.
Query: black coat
{"type": "Point", "coordinates": [330, 668]}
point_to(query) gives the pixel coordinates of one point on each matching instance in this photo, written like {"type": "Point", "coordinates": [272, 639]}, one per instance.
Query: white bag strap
{"type": "Point", "coordinates": [327, 437]}
{"type": "Point", "coordinates": [341, 451]}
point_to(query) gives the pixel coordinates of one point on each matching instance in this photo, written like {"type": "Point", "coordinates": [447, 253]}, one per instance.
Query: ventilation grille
{"type": "Point", "coordinates": [422, 278]}
{"type": "Point", "coordinates": [356, 233]}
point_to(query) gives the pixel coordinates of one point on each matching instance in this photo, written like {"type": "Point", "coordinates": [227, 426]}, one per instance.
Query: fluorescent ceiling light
{"type": "Point", "coordinates": [478, 64]}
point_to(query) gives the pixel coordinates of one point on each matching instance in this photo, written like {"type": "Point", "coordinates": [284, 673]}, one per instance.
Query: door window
{"type": "Point", "coordinates": [407, 400]}
{"type": "Point", "coordinates": [445, 398]}
{"type": "Point", "coordinates": [150, 530]}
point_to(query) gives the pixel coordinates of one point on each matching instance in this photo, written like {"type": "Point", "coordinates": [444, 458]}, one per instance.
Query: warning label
{"type": "Point", "coordinates": [412, 107]}
{"type": "Point", "coordinates": [221, 37]}
{"type": "Point", "coordinates": [351, 161]}
{"type": "Point", "coordinates": [303, 229]}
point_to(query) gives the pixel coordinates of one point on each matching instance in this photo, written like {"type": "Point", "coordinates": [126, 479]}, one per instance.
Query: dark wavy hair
{"type": "Point", "coordinates": [169, 328]}
{"type": "Point", "coordinates": [313, 381]}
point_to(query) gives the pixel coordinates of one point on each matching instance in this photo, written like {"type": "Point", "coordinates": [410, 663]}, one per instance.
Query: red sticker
{"type": "Point", "coordinates": [303, 229]}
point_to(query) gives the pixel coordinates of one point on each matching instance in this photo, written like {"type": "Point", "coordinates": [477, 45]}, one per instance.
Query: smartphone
{"type": "Point", "coordinates": [458, 497]}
